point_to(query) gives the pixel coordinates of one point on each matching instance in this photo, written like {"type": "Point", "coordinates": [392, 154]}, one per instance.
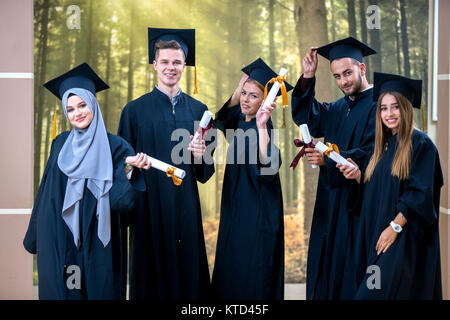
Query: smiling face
{"type": "Point", "coordinates": [251, 98]}
{"type": "Point", "coordinates": [390, 112]}
{"type": "Point", "coordinates": [78, 112]}
{"type": "Point", "coordinates": [169, 65]}
{"type": "Point", "coordinates": [348, 74]}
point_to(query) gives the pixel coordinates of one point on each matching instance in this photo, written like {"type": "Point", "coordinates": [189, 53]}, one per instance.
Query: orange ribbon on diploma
{"type": "Point", "coordinates": [171, 174]}
{"type": "Point", "coordinates": [280, 80]}
{"type": "Point", "coordinates": [331, 147]}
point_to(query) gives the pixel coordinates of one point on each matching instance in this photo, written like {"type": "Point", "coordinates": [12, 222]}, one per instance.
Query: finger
{"type": "Point", "coordinates": [387, 246]}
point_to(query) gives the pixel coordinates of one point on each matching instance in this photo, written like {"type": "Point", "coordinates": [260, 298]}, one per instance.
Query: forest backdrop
{"type": "Point", "coordinates": [111, 35]}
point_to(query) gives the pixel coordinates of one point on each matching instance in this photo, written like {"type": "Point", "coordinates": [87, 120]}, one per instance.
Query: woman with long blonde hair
{"type": "Point", "coordinates": [397, 197]}
{"type": "Point", "coordinates": [249, 261]}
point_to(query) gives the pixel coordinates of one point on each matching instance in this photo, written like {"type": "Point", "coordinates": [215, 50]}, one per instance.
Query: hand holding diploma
{"type": "Point", "coordinates": [204, 126]}
{"type": "Point", "coordinates": [314, 157]}
{"type": "Point", "coordinates": [138, 161]}
{"type": "Point", "coordinates": [350, 172]}
{"type": "Point", "coordinates": [278, 84]}
{"type": "Point", "coordinates": [332, 151]}
{"type": "Point", "coordinates": [197, 147]}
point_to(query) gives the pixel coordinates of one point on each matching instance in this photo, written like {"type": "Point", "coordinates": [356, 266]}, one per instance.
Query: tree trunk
{"type": "Point", "coordinates": [351, 17]}
{"type": "Point", "coordinates": [332, 22]}
{"type": "Point", "coordinates": [106, 106]}
{"type": "Point", "coordinates": [271, 9]}
{"type": "Point", "coordinates": [39, 106]}
{"type": "Point", "coordinates": [363, 30]}
{"type": "Point", "coordinates": [90, 51]}
{"type": "Point", "coordinates": [397, 41]}
{"type": "Point", "coordinates": [375, 43]}
{"type": "Point", "coordinates": [405, 46]}
{"type": "Point", "coordinates": [131, 52]}
{"type": "Point", "coordinates": [311, 27]}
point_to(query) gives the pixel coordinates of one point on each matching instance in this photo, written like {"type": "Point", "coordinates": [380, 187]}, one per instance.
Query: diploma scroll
{"type": "Point", "coordinates": [203, 126]}
{"type": "Point", "coordinates": [274, 90]}
{"type": "Point", "coordinates": [333, 155]}
{"type": "Point", "coordinates": [162, 166]}
{"type": "Point", "coordinates": [306, 137]}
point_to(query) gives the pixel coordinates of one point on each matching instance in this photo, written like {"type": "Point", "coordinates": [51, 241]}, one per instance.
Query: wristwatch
{"type": "Point", "coordinates": [397, 228]}
{"type": "Point", "coordinates": [129, 167]}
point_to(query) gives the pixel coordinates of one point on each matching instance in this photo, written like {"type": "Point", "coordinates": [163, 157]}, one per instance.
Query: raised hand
{"type": "Point", "coordinates": [309, 63]}
{"type": "Point", "coordinates": [237, 93]}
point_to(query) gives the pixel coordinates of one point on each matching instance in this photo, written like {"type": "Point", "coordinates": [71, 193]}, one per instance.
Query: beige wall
{"type": "Point", "coordinates": [16, 145]}
{"type": "Point", "coordinates": [443, 132]}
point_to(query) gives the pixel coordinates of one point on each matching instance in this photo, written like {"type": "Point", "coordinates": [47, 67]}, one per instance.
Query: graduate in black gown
{"type": "Point", "coordinates": [249, 262]}
{"type": "Point", "coordinates": [350, 124]}
{"type": "Point", "coordinates": [167, 248]}
{"type": "Point", "coordinates": [79, 218]}
{"type": "Point", "coordinates": [398, 254]}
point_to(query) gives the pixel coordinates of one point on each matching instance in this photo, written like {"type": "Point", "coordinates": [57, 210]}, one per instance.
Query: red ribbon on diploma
{"type": "Point", "coordinates": [299, 143]}
{"type": "Point", "coordinates": [202, 131]}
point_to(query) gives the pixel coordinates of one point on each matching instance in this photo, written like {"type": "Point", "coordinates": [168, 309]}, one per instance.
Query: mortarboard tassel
{"type": "Point", "coordinates": [195, 80]}
{"type": "Point", "coordinates": [424, 127]}
{"type": "Point", "coordinates": [54, 125]}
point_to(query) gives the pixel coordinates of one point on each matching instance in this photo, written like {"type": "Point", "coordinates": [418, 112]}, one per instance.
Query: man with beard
{"type": "Point", "coordinates": [350, 124]}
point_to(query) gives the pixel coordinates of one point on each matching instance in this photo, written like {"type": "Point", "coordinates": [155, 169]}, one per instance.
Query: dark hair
{"type": "Point", "coordinates": [161, 44]}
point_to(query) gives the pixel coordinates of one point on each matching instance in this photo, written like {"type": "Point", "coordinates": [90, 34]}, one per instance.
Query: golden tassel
{"type": "Point", "coordinates": [54, 125]}
{"type": "Point", "coordinates": [195, 80]}
{"type": "Point", "coordinates": [424, 127]}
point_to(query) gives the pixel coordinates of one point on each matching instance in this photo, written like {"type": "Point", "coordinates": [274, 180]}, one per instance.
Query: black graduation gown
{"type": "Point", "coordinates": [167, 248]}
{"type": "Point", "coordinates": [103, 269]}
{"type": "Point", "coordinates": [249, 262]}
{"type": "Point", "coordinates": [351, 126]}
{"type": "Point", "coordinates": [410, 268]}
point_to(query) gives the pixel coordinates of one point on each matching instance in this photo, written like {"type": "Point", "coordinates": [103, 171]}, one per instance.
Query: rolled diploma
{"type": "Point", "coordinates": [163, 167]}
{"type": "Point", "coordinates": [336, 157]}
{"type": "Point", "coordinates": [274, 90]}
{"type": "Point", "coordinates": [206, 118]}
{"type": "Point", "coordinates": [306, 137]}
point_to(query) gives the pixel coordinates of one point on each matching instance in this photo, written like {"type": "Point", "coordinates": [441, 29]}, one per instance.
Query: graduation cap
{"type": "Point", "coordinates": [184, 37]}
{"type": "Point", "coordinates": [411, 89]}
{"type": "Point", "coordinates": [258, 70]}
{"type": "Point", "coordinates": [345, 48]}
{"type": "Point", "coordinates": [81, 76]}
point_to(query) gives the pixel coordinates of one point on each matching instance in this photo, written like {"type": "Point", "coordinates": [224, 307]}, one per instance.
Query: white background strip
{"type": "Point", "coordinates": [15, 211]}
{"type": "Point", "coordinates": [443, 76]}
{"type": "Point", "coordinates": [444, 210]}
{"type": "Point", "coordinates": [16, 75]}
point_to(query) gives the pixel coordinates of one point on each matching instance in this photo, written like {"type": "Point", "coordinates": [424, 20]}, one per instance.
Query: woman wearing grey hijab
{"type": "Point", "coordinates": [78, 226]}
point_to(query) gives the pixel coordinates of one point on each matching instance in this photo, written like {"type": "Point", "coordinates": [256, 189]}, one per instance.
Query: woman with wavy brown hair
{"type": "Point", "coordinates": [397, 197]}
